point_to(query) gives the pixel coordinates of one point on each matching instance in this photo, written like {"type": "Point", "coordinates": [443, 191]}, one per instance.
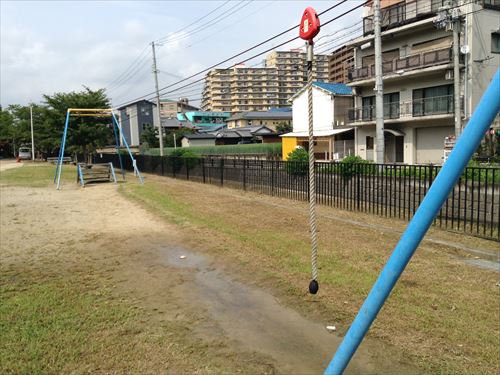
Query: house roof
{"type": "Point", "coordinates": [244, 132]}
{"type": "Point", "coordinates": [330, 88]}
{"type": "Point", "coordinates": [334, 88]}
{"type": "Point", "coordinates": [136, 102]}
{"type": "Point", "coordinates": [258, 115]}
{"type": "Point", "coordinates": [175, 123]}
{"type": "Point", "coordinates": [200, 136]}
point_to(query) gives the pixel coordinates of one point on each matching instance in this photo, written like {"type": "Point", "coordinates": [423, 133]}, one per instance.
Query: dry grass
{"type": "Point", "coordinates": [443, 314]}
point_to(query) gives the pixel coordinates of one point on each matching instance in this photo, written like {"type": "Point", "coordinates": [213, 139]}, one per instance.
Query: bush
{"type": "Point", "coordinates": [349, 166]}
{"type": "Point", "coordinates": [183, 156]}
{"type": "Point", "coordinates": [297, 162]}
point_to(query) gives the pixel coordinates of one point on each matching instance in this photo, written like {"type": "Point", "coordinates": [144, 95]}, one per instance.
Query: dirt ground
{"type": "Point", "coordinates": [159, 268]}
{"type": "Point", "coordinates": [74, 228]}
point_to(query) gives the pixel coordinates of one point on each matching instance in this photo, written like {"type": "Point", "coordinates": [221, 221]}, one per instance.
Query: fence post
{"type": "Point", "coordinates": [174, 164]}
{"type": "Point", "coordinates": [221, 171]}
{"type": "Point", "coordinates": [431, 172]}
{"type": "Point", "coordinates": [272, 177]}
{"type": "Point", "coordinates": [203, 169]}
{"type": "Point", "coordinates": [358, 183]}
{"type": "Point", "coordinates": [244, 174]}
{"type": "Point", "coordinates": [162, 168]}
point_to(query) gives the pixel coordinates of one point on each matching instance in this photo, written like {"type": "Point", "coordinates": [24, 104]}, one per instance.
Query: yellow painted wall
{"type": "Point", "coordinates": [288, 145]}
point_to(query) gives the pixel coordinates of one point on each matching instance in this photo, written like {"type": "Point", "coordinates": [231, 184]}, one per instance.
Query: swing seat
{"type": "Point", "coordinates": [90, 173]}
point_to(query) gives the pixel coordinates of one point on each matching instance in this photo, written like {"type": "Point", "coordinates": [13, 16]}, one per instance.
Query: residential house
{"type": "Point", "coordinates": [270, 119]}
{"type": "Point", "coordinates": [169, 108]}
{"type": "Point", "coordinates": [333, 140]}
{"type": "Point", "coordinates": [243, 135]}
{"type": "Point", "coordinates": [134, 118]}
{"type": "Point", "coordinates": [418, 74]}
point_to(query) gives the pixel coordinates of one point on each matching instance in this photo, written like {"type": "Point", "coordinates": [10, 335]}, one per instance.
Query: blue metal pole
{"type": "Point", "coordinates": [128, 148]}
{"type": "Point", "coordinates": [480, 121]}
{"type": "Point", "coordinates": [59, 155]}
{"type": "Point", "coordinates": [61, 151]}
{"type": "Point", "coordinates": [117, 141]}
{"type": "Point", "coordinates": [80, 174]}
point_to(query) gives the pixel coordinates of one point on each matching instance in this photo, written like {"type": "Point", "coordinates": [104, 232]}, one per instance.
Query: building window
{"type": "Point", "coordinates": [369, 143]}
{"type": "Point", "coordinates": [495, 42]}
{"type": "Point", "coordinates": [391, 106]}
{"type": "Point", "coordinates": [433, 100]}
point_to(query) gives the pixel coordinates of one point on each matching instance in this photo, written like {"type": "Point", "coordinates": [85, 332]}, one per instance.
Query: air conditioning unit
{"type": "Point", "coordinates": [448, 75]}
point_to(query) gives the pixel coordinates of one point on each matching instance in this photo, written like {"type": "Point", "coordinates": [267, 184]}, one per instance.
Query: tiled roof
{"type": "Point", "coordinates": [335, 88]}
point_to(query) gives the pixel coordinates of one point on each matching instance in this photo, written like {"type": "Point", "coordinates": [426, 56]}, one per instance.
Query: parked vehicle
{"type": "Point", "coordinates": [24, 153]}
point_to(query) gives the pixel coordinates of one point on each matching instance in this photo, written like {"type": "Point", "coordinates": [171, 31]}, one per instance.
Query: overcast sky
{"type": "Point", "coordinates": [59, 46]}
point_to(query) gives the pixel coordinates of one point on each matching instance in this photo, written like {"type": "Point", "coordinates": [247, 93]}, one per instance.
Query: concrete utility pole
{"type": "Point", "coordinates": [158, 116]}
{"type": "Point", "coordinates": [32, 135]}
{"type": "Point", "coordinates": [379, 86]}
{"type": "Point", "coordinates": [456, 71]}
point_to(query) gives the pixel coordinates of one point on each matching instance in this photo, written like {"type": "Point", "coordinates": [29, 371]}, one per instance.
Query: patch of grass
{"type": "Point", "coordinates": [443, 315]}
{"type": "Point", "coordinates": [53, 324]}
{"type": "Point", "coordinates": [49, 324]}
{"type": "Point", "coordinates": [37, 175]}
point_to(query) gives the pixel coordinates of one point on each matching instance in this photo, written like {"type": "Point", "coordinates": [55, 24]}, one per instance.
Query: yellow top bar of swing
{"type": "Point", "coordinates": [90, 112]}
{"type": "Point", "coordinates": [90, 109]}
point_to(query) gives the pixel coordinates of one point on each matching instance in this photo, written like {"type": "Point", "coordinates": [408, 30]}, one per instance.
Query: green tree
{"type": "Point", "coordinates": [297, 162]}
{"type": "Point", "coordinates": [150, 136]}
{"type": "Point", "coordinates": [169, 138]}
{"type": "Point", "coordinates": [284, 127]}
{"type": "Point", "coordinates": [85, 134]}
{"type": "Point", "coordinates": [15, 126]}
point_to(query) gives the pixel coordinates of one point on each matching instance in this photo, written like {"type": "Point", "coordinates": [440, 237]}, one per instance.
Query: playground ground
{"type": "Point", "coordinates": [178, 277]}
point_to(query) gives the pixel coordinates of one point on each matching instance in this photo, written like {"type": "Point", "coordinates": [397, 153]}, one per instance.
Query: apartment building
{"type": "Point", "coordinates": [418, 75]}
{"type": "Point", "coordinates": [292, 71]}
{"type": "Point", "coordinates": [242, 88]}
{"type": "Point", "coordinates": [339, 63]}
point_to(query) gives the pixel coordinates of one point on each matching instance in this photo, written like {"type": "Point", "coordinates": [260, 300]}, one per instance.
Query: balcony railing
{"type": "Point", "coordinates": [403, 13]}
{"type": "Point", "coordinates": [438, 105]}
{"type": "Point", "coordinates": [411, 62]}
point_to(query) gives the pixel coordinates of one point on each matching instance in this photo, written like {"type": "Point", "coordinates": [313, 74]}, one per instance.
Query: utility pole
{"type": "Point", "coordinates": [379, 86]}
{"type": "Point", "coordinates": [158, 116]}
{"type": "Point", "coordinates": [455, 19]}
{"type": "Point", "coordinates": [32, 135]}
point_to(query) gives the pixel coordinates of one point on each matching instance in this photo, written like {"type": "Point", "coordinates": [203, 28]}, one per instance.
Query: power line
{"type": "Point", "coordinates": [136, 61]}
{"type": "Point", "coordinates": [197, 20]}
{"type": "Point", "coordinates": [236, 8]}
{"type": "Point", "coordinates": [128, 72]}
{"type": "Point", "coordinates": [256, 46]}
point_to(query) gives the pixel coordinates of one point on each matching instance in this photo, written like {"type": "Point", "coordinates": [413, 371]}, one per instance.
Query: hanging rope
{"type": "Point", "coordinates": [313, 285]}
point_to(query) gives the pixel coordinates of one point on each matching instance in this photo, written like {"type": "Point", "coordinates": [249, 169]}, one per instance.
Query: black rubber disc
{"type": "Point", "coordinates": [313, 287]}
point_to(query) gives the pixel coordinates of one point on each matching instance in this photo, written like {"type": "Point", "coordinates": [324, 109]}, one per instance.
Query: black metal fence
{"type": "Point", "coordinates": [389, 190]}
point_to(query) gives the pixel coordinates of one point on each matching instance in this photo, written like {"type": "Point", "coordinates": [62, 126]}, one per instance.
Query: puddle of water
{"type": "Point", "coordinates": [483, 263]}
{"type": "Point", "coordinates": [257, 322]}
